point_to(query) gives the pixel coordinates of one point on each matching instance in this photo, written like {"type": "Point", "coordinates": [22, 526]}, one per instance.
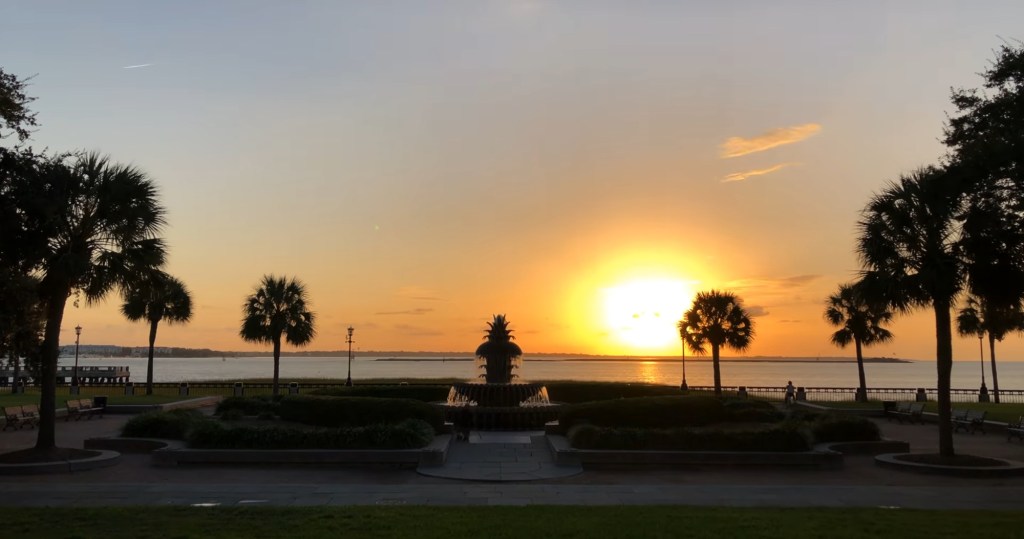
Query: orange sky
{"type": "Point", "coordinates": [580, 167]}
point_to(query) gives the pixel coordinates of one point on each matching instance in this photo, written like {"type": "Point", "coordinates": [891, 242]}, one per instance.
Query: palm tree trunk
{"type": "Point", "coordinates": [46, 439]}
{"type": "Point", "coordinates": [944, 368]}
{"type": "Point", "coordinates": [277, 361]}
{"type": "Point", "coordinates": [992, 356]}
{"type": "Point", "coordinates": [717, 370]}
{"type": "Point", "coordinates": [862, 392]}
{"type": "Point", "coordinates": [149, 366]}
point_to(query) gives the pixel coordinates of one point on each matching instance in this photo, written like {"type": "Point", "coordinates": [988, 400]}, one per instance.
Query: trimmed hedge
{"type": "Point", "coordinates": [173, 424]}
{"type": "Point", "coordinates": [425, 393]}
{"type": "Point", "coordinates": [357, 411]}
{"type": "Point", "coordinates": [845, 428]}
{"type": "Point", "coordinates": [646, 412]}
{"type": "Point", "coordinates": [780, 439]}
{"type": "Point", "coordinates": [258, 405]}
{"type": "Point", "coordinates": [408, 434]}
{"type": "Point", "coordinates": [576, 392]}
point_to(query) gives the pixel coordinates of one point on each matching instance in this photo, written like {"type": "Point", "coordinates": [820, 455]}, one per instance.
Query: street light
{"type": "Point", "coordinates": [683, 386]}
{"type": "Point", "coordinates": [74, 373]}
{"type": "Point", "coordinates": [348, 381]}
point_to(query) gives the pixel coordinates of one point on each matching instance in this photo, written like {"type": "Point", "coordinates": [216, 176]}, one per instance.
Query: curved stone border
{"type": "Point", "coordinates": [865, 448]}
{"type": "Point", "coordinates": [130, 445]}
{"type": "Point", "coordinates": [434, 454]}
{"type": "Point", "coordinates": [103, 460]}
{"type": "Point", "coordinates": [603, 457]}
{"type": "Point", "coordinates": [889, 460]}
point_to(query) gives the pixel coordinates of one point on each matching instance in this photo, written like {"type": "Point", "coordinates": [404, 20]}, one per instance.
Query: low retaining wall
{"type": "Point", "coordinates": [434, 454]}
{"type": "Point", "coordinates": [589, 458]}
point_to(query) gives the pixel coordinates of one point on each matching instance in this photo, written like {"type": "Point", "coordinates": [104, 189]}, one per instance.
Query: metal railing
{"type": "Point", "coordinates": [813, 394]}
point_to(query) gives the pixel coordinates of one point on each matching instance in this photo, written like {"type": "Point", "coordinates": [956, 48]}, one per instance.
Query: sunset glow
{"type": "Point", "coordinates": [583, 167]}
{"type": "Point", "coordinates": [643, 313]}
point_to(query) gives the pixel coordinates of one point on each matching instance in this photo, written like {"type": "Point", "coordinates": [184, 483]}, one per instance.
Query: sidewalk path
{"type": "Point", "coordinates": [859, 483]}
{"type": "Point", "coordinates": [501, 456]}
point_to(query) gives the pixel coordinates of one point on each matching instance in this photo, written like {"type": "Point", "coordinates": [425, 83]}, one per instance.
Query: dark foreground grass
{"type": "Point", "coordinates": [548, 522]}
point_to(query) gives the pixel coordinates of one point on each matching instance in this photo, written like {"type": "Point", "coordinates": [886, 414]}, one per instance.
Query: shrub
{"type": "Point", "coordinates": [232, 415]}
{"type": "Point", "coordinates": [650, 412]}
{"type": "Point", "coordinates": [750, 411]}
{"type": "Point", "coordinates": [408, 434]}
{"type": "Point", "coordinates": [844, 428]}
{"type": "Point", "coordinates": [248, 405]}
{"type": "Point", "coordinates": [173, 424]}
{"type": "Point", "coordinates": [575, 392]}
{"type": "Point", "coordinates": [780, 439]}
{"type": "Point", "coordinates": [357, 411]}
{"type": "Point", "coordinates": [425, 393]}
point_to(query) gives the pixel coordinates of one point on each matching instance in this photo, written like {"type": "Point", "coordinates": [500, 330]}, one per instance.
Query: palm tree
{"type": "Point", "coordinates": [100, 220]}
{"type": "Point", "coordinates": [981, 318]}
{"type": "Point", "coordinates": [156, 297]}
{"type": "Point", "coordinates": [908, 246]}
{"type": "Point", "coordinates": [278, 307]}
{"type": "Point", "coordinates": [860, 322]}
{"type": "Point", "coordinates": [498, 351]}
{"type": "Point", "coordinates": [716, 318]}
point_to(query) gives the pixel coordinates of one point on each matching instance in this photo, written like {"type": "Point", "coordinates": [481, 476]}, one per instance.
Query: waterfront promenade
{"type": "Point", "coordinates": [860, 483]}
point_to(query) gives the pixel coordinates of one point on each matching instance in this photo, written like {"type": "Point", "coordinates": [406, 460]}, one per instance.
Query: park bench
{"type": "Point", "coordinates": [910, 411]}
{"type": "Point", "coordinates": [1015, 429]}
{"type": "Point", "coordinates": [969, 420]}
{"type": "Point", "coordinates": [82, 408]}
{"type": "Point", "coordinates": [17, 417]}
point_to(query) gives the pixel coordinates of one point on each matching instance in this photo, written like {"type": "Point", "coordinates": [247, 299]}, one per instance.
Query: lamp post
{"type": "Point", "coordinates": [983, 392]}
{"type": "Point", "coordinates": [683, 385]}
{"type": "Point", "coordinates": [74, 373]}
{"type": "Point", "coordinates": [348, 381]}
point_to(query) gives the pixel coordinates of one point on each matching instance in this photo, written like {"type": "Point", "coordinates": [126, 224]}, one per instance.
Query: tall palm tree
{"type": "Point", "coordinates": [278, 307]}
{"type": "Point", "coordinates": [719, 319]}
{"type": "Point", "coordinates": [498, 351]}
{"type": "Point", "coordinates": [980, 318]}
{"type": "Point", "coordinates": [156, 297]}
{"type": "Point", "coordinates": [101, 221]}
{"type": "Point", "coordinates": [860, 322]}
{"type": "Point", "coordinates": [908, 247]}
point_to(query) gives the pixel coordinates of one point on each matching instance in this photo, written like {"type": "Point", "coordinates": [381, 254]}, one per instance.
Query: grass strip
{"type": "Point", "coordinates": [549, 522]}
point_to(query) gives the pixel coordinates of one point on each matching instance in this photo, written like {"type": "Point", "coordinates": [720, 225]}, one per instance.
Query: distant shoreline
{"type": "Point", "coordinates": [666, 359]}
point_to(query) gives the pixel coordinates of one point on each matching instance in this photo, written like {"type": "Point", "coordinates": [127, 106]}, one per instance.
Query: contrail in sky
{"type": "Point", "coordinates": [136, 66]}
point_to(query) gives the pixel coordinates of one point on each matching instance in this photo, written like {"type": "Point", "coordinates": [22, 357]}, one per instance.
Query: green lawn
{"type": "Point", "coordinates": [1005, 412]}
{"type": "Point", "coordinates": [547, 522]}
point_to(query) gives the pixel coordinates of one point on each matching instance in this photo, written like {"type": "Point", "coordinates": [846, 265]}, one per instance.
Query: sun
{"type": "Point", "coordinates": [643, 313]}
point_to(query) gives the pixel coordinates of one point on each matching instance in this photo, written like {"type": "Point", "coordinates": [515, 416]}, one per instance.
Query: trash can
{"type": "Point", "coordinates": [239, 390]}
{"type": "Point", "coordinates": [129, 389]}
{"type": "Point", "coordinates": [183, 389]}
{"type": "Point", "coordinates": [921, 396]}
{"type": "Point", "coordinates": [100, 401]}
{"type": "Point", "coordinates": [293, 388]}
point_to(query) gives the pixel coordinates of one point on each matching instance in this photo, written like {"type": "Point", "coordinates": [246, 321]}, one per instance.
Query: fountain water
{"type": "Point", "coordinates": [499, 403]}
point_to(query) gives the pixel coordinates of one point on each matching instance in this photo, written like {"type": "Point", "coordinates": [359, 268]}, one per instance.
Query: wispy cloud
{"type": "Point", "coordinates": [136, 66]}
{"type": "Point", "coordinates": [757, 310]}
{"type": "Point", "coordinates": [740, 176]}
{"type": "Point", "coordinates": [737, 146]}
{"type": "Point", "coordinates": [417, 311]}
{"type": "Point", "coordinates": [418, 293]}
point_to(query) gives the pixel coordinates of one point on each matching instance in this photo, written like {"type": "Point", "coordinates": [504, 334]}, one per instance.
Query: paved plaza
{"type": "Point", "coordinates": [516, 459]}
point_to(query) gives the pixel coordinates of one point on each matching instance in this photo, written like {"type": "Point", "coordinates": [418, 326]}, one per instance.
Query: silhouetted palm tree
{"type": "Point", "coordinates": [278, 308]}
{"type": "Point", "coordinates": [498, 351]}
{"type": "Point", "coordinates": [716, 318]}
{"type": "Point", "coordinates": [860, 322]}
{"type": "Point", "coordinates": [101, 220]}
{"type": "Point", "coordinates": [156, 297]}
{"type": "Point", "coordinates": [979, 318]}
{"type": "Point", "coordinates": [908, 246]}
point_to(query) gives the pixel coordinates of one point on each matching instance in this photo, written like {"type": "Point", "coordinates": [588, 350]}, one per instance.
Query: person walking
{"type": "Point", "coordinates": [790, 392]}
